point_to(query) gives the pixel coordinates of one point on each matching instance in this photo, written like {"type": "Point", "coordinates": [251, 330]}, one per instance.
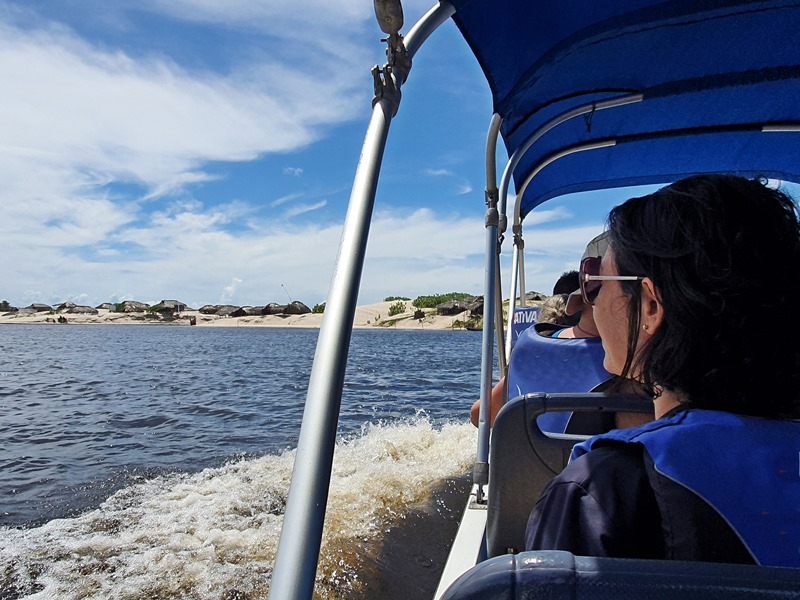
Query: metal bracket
{"type": "Point", "coordinates": [479, 504]}
{"type": "Point", "coordinates": [518, 241]}
{"type": "Point", "coordinates": [491, 197]}
{"type": "Point", "coordinates": [387, 81]}
{"type": "Point", "coordinates": [492, 217]}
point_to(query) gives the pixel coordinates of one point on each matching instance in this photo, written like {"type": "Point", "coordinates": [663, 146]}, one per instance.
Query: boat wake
{"type": "Point", "coordinates": [213, 534]}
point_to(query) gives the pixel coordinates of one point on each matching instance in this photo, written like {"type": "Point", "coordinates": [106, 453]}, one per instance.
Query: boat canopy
{"type": "Point", "coordinates": [656, 90]}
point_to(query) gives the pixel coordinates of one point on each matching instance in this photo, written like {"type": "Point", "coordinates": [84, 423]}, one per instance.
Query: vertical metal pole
{"type": "Point", "coordinates": [480, 474]}
{"type": "Point", "coordinates": [301, 535]}
{"type": "Point", "coordinates": [494, 223]}
{"type": "Point", "coordinates": [523, 302]}
{"type": "Point", "coordinates": [492, 191]}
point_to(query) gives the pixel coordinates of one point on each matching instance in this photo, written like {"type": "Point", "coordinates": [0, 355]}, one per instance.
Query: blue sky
{"type": "Point", "coordinates": [204, 152]}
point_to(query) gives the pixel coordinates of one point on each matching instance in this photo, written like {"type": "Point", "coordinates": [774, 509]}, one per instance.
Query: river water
{"type": "Point", "coordinates": [154, 461]}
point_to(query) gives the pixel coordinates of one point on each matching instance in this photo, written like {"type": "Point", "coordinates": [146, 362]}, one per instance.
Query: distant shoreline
{"type": "Point", "coordinates": [372, 316]}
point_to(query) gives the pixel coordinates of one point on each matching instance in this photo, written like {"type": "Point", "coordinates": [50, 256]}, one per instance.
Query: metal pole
{"type": "Point", "coordinates": [301, 534]}
{"type": "Point", "coordinates": [295, 566]}
{"type": "Point", "coordinates": [512, 294]}
{"type": "Point", "coordinates": [514, 160]}
{"type": "Point", "coordinates": [494, 222]}
{"type": "Point", "coordinates": [491, 191]}
{"type": "Point", "coordinates": [480, 473]}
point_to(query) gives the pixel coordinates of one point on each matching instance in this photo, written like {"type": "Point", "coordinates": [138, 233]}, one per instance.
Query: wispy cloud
{"type": "Point", "coordinates": [113, 160]}
{"type": "Point", "coordinates": [286, 198]}
{"type": "Point", "coordinates": [100, 141]}
{"type": "Point", "coordinates": [82, 116]}
{"type": "Point", "coordinates": [438, 173]}
{"type": "Point", "coordinates": [299, 209]}
{"type": "Point", "coordinates": [464, 188]}
{"type": "Point", "coordinates": [542, 216]}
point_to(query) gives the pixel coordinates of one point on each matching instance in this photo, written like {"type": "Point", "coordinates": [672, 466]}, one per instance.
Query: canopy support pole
{"type": "Point", "coordinates": [295, 567]}
{"type": "Point", "coordinates": [505, 181]}
{"type": "Point", "coordinates": [492, 307]}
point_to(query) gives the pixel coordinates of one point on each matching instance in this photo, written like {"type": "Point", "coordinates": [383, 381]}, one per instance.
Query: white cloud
{"type": "Point", "coordinates": [299, 209]}
{"type": "Point", "coordinates": [188, 252]}
{"type": "Point", "coordinates": [229, 291]}
{"type": "Point", "coordinates": [296, 171]}
{"type": "Point", "coordinates": [94, 138]}
{"type": "Point", "coordinates": [544, 215]}
{"type": "Point", "coordinates": [438, 172]}
{"type": "Point", "coordinates": [464, 189]}
{"type": "Point", "coordinates": [69, 103]}
{"type": "Point", "coordinates": [79, 117]}
{"type": "Point", "coordinates": [286, 198]}
{"type": "Point", "coordinates": [101, 149]}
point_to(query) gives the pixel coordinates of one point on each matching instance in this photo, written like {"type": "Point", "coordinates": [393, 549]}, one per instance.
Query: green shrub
{"type": "Point", "coordinates": [437, 299]}
{"type": "Point", "coordinates": [393, 298]}
{"type": "Point", "coordinates": [318, 308]}
{"type": "Point", "coordinates": [471, 323]}
{"type": "Point", "coordinates": [397, 308]}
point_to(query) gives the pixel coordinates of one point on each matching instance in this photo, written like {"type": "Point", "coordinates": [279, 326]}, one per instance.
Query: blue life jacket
{"type": "Point", "coordinates": [746, 468]}
{"type": "Point", "coordinates": [546, 364]}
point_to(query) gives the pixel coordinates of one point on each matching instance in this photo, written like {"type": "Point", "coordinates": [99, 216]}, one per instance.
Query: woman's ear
{"type": "Point", "coordinates": [652, 309]}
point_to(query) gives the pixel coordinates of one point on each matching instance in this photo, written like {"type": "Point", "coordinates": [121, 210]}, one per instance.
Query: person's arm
{"type": "Point", "coordinates": [495, 404]}
{"type": "Point", "coordinates": [600, 505]}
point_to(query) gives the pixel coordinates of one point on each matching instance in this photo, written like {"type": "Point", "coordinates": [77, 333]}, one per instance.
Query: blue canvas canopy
{"type": "Point", "coordinates": [709, 86]}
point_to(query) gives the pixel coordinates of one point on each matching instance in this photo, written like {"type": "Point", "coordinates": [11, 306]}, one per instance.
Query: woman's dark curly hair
{"type": "Point", "coordinates": [723, 253]}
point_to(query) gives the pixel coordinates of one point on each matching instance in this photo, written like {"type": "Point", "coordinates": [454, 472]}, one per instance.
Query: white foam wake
{"type": "Point", "coordinates": [213, 534]}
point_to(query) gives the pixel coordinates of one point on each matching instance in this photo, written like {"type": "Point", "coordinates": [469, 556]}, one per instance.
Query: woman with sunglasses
{"type": "Point", "coordinates": [679, 301]}
{"type": "Point", "coordinates": [574, 354]}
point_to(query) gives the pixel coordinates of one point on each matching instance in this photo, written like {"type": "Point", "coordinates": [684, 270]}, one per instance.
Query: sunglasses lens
{"type": "Point", "coordinates": [590, 289]}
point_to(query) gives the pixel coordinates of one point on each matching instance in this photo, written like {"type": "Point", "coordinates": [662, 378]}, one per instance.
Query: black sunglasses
{"type": "Point", "coordinates": [591, 280]}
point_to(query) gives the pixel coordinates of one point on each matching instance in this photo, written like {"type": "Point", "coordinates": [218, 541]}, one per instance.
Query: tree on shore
{"type": "Point", "coordinates": [437, 299]}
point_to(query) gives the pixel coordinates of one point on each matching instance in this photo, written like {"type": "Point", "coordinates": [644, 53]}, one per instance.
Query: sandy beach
{"type": "Point", "coordinates": [369, 316]}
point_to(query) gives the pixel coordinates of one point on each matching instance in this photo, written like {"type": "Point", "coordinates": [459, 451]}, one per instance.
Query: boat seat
{"type": "Point", "coordinates": [524, 317]}
{"type": "Point", "coordinates": [523, 459]}
{"type": "Point", "coordinates": [558, 575]}
{"type": "Point", "coordinates": [545, 364]}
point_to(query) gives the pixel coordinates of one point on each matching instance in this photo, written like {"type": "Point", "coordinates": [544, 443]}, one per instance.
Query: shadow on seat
{"type": "Point", "coordinates": [523, 460]}
{"type": "Point", "coordinates": [557, 575]}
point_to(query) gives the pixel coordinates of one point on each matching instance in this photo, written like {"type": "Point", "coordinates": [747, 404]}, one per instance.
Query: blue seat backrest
{"type": "Point", "coordinates": [546, 364]}
{"type": "Point", "coordinates": [557, 575]}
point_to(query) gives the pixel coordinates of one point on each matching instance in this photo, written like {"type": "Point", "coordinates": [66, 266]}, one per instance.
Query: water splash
{"type": "Point", "coordinates": [213, 534]}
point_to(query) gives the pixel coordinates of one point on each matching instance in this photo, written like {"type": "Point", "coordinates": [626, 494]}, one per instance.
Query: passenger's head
{"type": "Point", "coordinates": [711, 312]}
{"type": "Point", "coordinates": [596, 247]}
{"type": "Point", "coordinates": [567, 283]}
{"type": "Point", "coordinates": [553, 310]}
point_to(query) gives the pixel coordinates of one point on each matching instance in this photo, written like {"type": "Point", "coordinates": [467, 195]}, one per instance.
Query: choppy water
{"type": "Point", "coordinates": [154, 462]}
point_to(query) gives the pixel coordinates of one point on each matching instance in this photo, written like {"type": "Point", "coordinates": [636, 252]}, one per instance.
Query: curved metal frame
{"type": "Point", "coordinates": [301, 534]}
{"type": "Point", "coordinates": [509, 170]}
{"type": "Point", "coordinates": [492, 309]}
{"type": "Point", "coordinates": [781, 127]}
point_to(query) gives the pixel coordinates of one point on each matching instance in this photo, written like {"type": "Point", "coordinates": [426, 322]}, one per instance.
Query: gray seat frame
{"type": "Point", "coordinates": [523, 459]}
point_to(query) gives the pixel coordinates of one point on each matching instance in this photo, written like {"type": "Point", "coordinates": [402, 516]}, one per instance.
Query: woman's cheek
{"type": "Point", "coordinates": [612, 324]}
